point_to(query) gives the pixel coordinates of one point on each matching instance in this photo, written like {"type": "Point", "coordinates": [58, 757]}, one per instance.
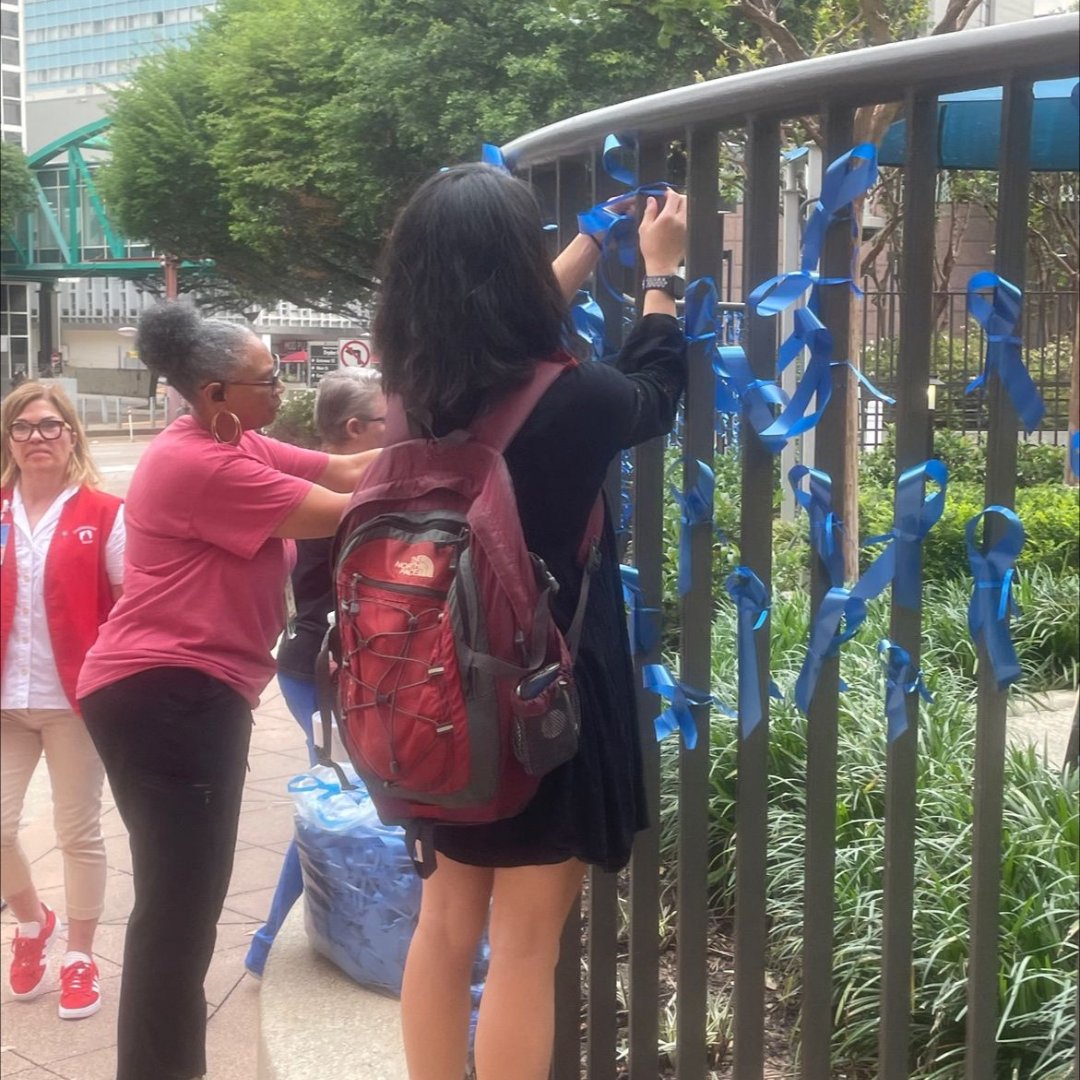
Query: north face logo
{"type": "Point", "coordinates": [85, 533]}
{"type": "Point", "coordinates": [417, 566]}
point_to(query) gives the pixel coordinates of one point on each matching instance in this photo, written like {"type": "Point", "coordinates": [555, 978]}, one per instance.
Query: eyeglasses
{"type": "Point", "coordinates": [22, 430]}
{"type": "Point", "coordinates": [275, 377]}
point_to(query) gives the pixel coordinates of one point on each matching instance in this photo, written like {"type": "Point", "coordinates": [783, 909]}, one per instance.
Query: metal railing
{"type": "Point", "coordinates": [562, 162]}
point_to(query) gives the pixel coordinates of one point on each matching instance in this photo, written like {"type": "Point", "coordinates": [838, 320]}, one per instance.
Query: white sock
{"type": "Point", "coordinates": [29, 929]}
{"type": "Point", "coordinates": [76, 958]}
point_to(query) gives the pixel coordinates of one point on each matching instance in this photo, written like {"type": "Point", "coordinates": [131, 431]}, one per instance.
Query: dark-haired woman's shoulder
{"type": "Point", "coordinates": [634, 397]}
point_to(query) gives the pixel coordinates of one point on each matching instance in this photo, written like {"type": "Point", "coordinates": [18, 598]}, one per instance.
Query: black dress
{"type": "Point", "coordinates": [591, 807]}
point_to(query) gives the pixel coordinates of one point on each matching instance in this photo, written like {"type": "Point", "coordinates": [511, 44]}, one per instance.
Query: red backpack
{"type": "Point", "coordinates": [455, 688]}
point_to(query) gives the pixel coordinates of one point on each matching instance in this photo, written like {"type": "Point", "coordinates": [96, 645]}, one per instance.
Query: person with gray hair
{"type": "Point", "coordinates": [350, 415]}
{"type": "Point", "coordinates": [168, 687]}
{"type": "Point", "coordinates": [350, 410]}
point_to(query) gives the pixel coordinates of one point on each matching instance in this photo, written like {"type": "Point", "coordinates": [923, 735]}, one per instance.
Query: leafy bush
{"type": "Point", "coordinates": [1039, 859]}
{"type": "Point", "coordinates": [295, 421]}
{"type": "Point", "coordinates": [1050, 514]}
{"type": "Point", "coordinates": [1036, 463]}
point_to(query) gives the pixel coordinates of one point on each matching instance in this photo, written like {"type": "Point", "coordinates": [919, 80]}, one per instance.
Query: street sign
{"type": "Point", "coordinates": [323, 356]}
{"type": "Point", "coordinates": [352, 352]}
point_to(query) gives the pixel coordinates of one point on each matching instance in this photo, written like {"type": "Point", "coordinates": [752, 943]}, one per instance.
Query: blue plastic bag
{"type": "Point", "coordinates": [361, 893]}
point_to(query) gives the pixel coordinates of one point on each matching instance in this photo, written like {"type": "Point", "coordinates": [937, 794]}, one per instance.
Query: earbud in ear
{"type": "Point", "coordinates": [218, 394]}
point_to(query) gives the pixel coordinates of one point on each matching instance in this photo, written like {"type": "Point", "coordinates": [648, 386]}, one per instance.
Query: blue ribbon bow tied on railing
{"type": "Point", "coordinates": [695, 508]}
{"type": "Point", "coordinates": [752, 609]}
{"type": "Point", "coordinates": [587, 318]}
{"type": "Point", "coordinates": [1000, 319]}
{"type": "Point", "coordinates": [736, 385]}
{"type": "Point", "coordinates": [618, 160]}
{"type": "Point", "coordinates": [643, 621]}
{"type": "Point", "coordinates": [678, 715]}
{"type": "Point", "coordinates": [826, 528]}
{"type": "Point", "coordinates": [491, 155]}
{"type": "Point", "coordinates": [843, 611]}
{"type": "Point", "coordinates": [901, 679]}
{"type": "Point", "coordinates": [991, 598]}
{"type": "Point", "coordinates": [1074, 446]}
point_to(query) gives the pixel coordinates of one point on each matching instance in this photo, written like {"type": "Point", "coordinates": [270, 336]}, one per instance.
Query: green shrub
{"type": "Point", "coordinates": [295, 421]}
{"type": "Point", "coordinates": [1039, 859]}
{"type": "Point", "coordinates": [1050, 514]}
{"type": "Point", "coordinates": [1036, 463]}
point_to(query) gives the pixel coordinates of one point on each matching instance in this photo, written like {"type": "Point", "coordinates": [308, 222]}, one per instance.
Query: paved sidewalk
{"type": "Point", "coordinates": [37, 1045]}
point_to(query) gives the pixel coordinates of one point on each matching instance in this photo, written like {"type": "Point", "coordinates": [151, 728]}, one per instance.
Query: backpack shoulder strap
{"type": "Point", "coordinates": [498, 427]}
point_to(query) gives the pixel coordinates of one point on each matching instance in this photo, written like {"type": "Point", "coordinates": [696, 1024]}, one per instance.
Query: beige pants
{"type": "Point", "coordinates": [76, 773]}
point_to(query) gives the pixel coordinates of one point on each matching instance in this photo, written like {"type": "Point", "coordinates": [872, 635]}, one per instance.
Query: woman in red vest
{"type": "Point", "coordinates": [62, 551]}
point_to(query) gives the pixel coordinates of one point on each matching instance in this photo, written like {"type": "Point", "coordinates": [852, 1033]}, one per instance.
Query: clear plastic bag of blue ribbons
{"type": "Point", "coordinates": [361, 893]}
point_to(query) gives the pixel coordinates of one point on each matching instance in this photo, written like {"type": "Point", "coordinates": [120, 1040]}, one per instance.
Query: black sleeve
{"type": "Point", "coordinates": [653, 359]}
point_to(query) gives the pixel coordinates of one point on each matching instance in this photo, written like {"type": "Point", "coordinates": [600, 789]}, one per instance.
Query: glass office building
{"type": "Point", "coordinates": [73, 43]}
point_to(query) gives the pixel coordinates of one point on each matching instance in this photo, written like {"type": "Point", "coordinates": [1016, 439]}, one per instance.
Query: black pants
{"type": "Point", "coordinates": [174, 742]}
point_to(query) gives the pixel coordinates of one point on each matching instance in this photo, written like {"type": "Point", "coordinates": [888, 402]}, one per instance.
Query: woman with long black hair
{"type": "Point", "coordinates": [469, 303]}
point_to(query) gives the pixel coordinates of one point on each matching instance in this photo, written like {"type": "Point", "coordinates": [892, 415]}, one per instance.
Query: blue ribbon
{"type": "Point", "coordinates": [493, 156]}
{"type": "Point", "coordinates": [696, 508]}
{"type": "Point", "coordinates": [617, 151]}
{"type": "Point", "coordinates": [1074, 442]}
{"type": "Point", "coordinates": [752, 609]}
{"type": "Point", "coordinates": [677, 717]}
{"type": "Point", "coordinates": [587, 318]}
{"type": "Point", "coordinates": [615, 229]}
{"type": "Point", "coordinates": [826, 528]}
{"type": "Point", "coordinates": [991, 598]}
{"type": "Point", "coordinates": [850, 176]}
{"type": "Point", "coordinates": [843, 611]}
{"type": "Point", "coordinates": [901, 679]}
{"type": "Point", "coordinates": [643, 622]}
{"type": "Point", "coordinates": [1000, 319]}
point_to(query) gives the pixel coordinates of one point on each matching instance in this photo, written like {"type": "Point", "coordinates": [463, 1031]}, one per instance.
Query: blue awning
{"type": "Point", "coordinates": [969, 129]}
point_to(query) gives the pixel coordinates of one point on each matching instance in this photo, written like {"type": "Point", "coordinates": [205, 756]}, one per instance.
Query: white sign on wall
{"type": "Point", "coordinates": [353, 352]}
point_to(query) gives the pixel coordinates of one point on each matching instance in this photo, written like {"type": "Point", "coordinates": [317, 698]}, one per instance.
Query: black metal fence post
{"type": "Point", "coordinates": [761, 239]}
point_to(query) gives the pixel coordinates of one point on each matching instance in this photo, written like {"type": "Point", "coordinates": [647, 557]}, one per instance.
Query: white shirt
{"type": "Point", "coordinates": [30, 679]}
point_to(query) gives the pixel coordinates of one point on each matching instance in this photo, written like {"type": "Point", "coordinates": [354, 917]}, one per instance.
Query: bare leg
{"type": "Point", "coordinates": [435, 999]}
{"type": "Point", "coordinates": [25, 905]}
{"type": "Point", "coordinates": [516, 1026]}
{"type": "Point", "coordinates": [81, 935]}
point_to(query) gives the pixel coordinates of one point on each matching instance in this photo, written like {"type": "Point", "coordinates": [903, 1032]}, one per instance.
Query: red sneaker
{"type": "Point", "coordinates": [30, 956]}
{"type": "Point", "coordinates": [80, 990]}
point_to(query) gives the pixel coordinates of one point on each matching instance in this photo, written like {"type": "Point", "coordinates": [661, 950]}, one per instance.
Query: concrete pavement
{"type": "Point", "coordinates": [37, 1045]}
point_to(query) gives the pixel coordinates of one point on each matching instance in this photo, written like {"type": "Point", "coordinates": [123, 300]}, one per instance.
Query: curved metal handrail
{"type": "Point", "coordinates": [1045, 48]}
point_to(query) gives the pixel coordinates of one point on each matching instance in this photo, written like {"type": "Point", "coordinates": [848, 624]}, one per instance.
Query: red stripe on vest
{"type": "Point", "coordinates": [78, 593]}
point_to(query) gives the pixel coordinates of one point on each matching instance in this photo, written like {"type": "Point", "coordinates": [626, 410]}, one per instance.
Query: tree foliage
{"type": "Point", "coordinates": [281, 143]}
{"type": "Point", "coordinates": [17, 189]}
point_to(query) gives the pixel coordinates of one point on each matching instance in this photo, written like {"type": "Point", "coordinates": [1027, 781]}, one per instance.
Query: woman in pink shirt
{"type": "Point", "coordinates": [167, 690]}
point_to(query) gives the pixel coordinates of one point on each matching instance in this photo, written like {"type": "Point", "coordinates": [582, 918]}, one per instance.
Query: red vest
{"type": "Point", "coordinates": [78, 593]}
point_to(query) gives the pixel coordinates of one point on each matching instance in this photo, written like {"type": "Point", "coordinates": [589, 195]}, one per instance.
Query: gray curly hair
{"type": "Point", "coordinates": [344, 395]}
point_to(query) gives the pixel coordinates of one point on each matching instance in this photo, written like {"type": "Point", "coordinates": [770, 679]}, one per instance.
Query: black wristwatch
{"type": "Point", "coordinates": [672, 284]}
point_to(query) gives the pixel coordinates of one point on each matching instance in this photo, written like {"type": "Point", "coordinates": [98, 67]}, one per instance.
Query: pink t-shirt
{"type": "Point", "coordinates": [203, 577]}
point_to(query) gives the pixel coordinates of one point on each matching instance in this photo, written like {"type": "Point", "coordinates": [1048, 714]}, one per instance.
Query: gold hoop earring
{"type": "Point", "coordinates": [235, 440]}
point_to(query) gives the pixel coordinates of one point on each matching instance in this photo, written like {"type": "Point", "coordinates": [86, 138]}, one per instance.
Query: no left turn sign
{"type": "Point", "coordinates": [354, 353]}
